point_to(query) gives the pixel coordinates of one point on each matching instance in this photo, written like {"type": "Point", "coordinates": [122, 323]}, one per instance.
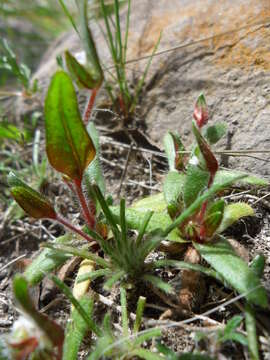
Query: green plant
{"type": "Point", "coordinates": [91, 75]}
{"type": "Point", "coordinates": [21, 72]}
{"type": "Point", "coordinates": [190, 211]}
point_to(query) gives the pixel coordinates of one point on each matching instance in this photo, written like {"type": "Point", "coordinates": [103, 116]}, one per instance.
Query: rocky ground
{"type": "Point", "coordinates": [218, 48]}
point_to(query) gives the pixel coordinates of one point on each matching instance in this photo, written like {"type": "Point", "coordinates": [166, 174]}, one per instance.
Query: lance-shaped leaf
{"type": "Point", "coordinates": [213, 218]}
{"type": "Point", "coordinates": [234, 212]}
{"type": "Point", "coordinates": [215, 132]}
{"type": "Point", "coordinates": [173, 191]}
{"type": "Point", "coordinates": [52, 330]}
{"type": "Point", "coordinates": [47, 261]}
{"type": "Point", "coordinates": [79, 73]}
{"type": "Point", "coordinates": [224, 175]}
{"type": "Point", "coordinates": [32, 202]}
{"type": "Point", "coordinates": [88, 42]}
{"type": "Point", "coordinates": [209, 157]}
{"type": "Point", "coordinates": [221, 256]}
{"type": "Point", "coordinates": [76, 329]}
{"type": "Point", "coordinates": [173, 146]}
{"type": "Point", "coordinates": [195, 183]}
{"type": "Point", "coordinates": [200, 113]}
{"type": "Point", "coordinates": [69, 147]}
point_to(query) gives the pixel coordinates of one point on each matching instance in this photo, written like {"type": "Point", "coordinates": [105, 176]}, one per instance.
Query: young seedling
{"type": "Point", "coordinates": [90, 76]}
{"type": "Point", "coordinates": [192, 212]}
{"type": "Point", "coordinates": [8, 61]}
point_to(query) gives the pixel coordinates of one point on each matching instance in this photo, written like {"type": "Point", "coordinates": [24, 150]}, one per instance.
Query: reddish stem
{"type": "Point", "coordinates": [89, 107]}
{"type": "Point", "coordinates": [88, 216]}
{"type": "Point", "coordinates": [73, 228]}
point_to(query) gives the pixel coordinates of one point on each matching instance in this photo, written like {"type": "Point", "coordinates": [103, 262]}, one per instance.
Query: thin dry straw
{"type": "Point", "coordinates": [180, 323]}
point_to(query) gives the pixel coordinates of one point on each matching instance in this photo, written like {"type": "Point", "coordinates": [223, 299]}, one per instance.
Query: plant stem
{"type": "Point", "coordinates": [89, 218]}
{"type": "Point", "coordinates": [73, 228]}
{"type": "Point", "coordinates": [89, 106]}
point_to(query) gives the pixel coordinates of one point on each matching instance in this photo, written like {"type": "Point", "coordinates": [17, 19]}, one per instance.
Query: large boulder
{"type": "Point", "coordinates": [232, 70]}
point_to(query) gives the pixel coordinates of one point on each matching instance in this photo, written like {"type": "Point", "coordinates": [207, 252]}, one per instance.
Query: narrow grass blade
{"type": "Point", "coordinates": [143, 227]}
{"type": "Point", "coordinates": [66, 291]}
{"type": "Point", "coordinates": [141, 82]}
{"type": "Point", "coordinates": [65, 249]}
{"type": "Point", "coordinates": [123, 300]}
{"type": "Point", "coordinates": [46, 262]}
{"type": "Point", "coordinates": [139, 313]}
{"type": "Point", "coordinates": [93, 275]}
{"type": "Point", "coordinates": [68, 15]}
{"type": "Point", "coordinates": [157, 282]}
{"type": "Point", "coordinates": [251, 333]}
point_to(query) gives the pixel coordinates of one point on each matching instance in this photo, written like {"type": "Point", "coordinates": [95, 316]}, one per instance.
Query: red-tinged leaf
{"type": "Point", "coordinates": [79, 73]}
{"type": "Point", "coordinates": [32, 202]}
{"type": "Point", "coordinates": [69, 147]}
{"type": "Point", "coordinates": [209, 157]}
{"type": "Point", "coordinates": [53, 331]}
{"type": "Point", "coordinates": [201, 114]}
{"type": "Point", "coordinates": [24, 347]}
{"type": "Point", "coordinates": [173, 146]}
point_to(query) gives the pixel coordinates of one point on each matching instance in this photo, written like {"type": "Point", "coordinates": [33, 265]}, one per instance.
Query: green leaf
{"type": "Point", "coordinates": [173, 190]}
{"type": "Point", "coordinates": [52, 330]}
{"type": "Point", "coordinates": [160, 220]}
{"type": "Point", "coordinates": [88, 43]}
{"type": "Point", "coordinates": [76, 329]}
{"type": "Point", "coordinates": [233, 324]}
{"type": "Point", "coordinates": [157, 282]}
{"type": "Point", "coordinates": [211, 223]}
{"type": "Point", "coordinates": [234, 212]}
{"type": "Point", "coordinates": [79, 73]}
{"type": "Point", "coordinates": [163, 349]}
{"type": "Point", "coordinates": [257, 265]}
{"type": "Point", "coordinates": [155, 203]}
{"type": "Point", "coordinates": [193, 208]}
{"type": "Point", "coordinates": [69, 147]}
{"type": "Point", "coordinates": [195, 183]}
{"type": "Point", "coordinates": [251, 333]}
{"type": "Point", "coordinates": [215, 132]}
{"type": "Point", "coordinates": [90, 323]}
{"type": "Point", "coordinates": [225, 175]}
{"type": "Point", "coordinates": [46, 262]}
{"type": "Point", "coordinates": [11, 132]}
{"type": "Point", "coordinates": [221, 256]}
{"type": "Point", "coordinates": [32, 202]}
{"type": "Point", "coordinates": [173, 146]}
{"type": "Point", "coordinates": [93, 173]}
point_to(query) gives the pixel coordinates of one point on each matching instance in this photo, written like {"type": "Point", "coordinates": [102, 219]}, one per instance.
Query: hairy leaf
{"type": "Point", "coordinates": [195, 183]}
{"type": "Point", "coordinates": [69, 147]}
{"type": "Point", "coordinates": [33, 203]}
{"type": "Point", "coordinates": [173, 189]}
{"type": "Point", "coordinates": [225, 175]}
{"type": "Point", "coordinates": [173, 145]}
{"type": "Point", "coordinates": [221, 256]}
{"type": "Point", "coordinates": [234, 212]}
{"type": "Point", "coordinates": [76, 329]}
{"type": "Point", "coordinates": [215, 132]}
